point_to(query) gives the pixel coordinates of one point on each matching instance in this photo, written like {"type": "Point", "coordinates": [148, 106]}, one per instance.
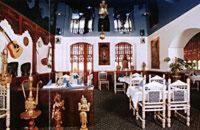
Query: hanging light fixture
{"type": "Point", "coordinates": [103, 12]}
{"type": "Point", "coordinates": [102, 34]}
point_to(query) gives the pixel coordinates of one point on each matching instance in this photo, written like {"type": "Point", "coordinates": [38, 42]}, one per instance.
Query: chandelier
{"type": "Point", "coordinates": [103, 12]}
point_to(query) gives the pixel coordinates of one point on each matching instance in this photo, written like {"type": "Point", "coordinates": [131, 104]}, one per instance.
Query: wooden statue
{"type": "Point", "coordinates": [83, 107]}
{"type": "Point", "coordinates": [143, 67]}
{"type": "Point", "coordinates": [56, 112]}
{"type": "Point", "coordinates": [30, 106]}
{"type": "Point", "coordinates": [125, 62]}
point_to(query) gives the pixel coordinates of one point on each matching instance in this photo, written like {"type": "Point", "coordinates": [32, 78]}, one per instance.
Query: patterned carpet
{"type": "Point", "coordinates": [111, 112]}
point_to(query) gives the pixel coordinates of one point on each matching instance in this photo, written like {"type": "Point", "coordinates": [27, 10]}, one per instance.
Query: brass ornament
{"type": "Point", "coordinates": [30, 105]}
{"type": "Point", "coordinates": [83, 107]}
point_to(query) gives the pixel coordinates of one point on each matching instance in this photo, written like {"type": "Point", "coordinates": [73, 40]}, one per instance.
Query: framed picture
{"type": "Point", "coordinates": [104, 53]}
{"type": "Point", "coordinates": [155, 53]}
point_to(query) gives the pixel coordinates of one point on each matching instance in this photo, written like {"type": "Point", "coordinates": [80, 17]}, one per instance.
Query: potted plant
{"type": "Point", "coordinates": [177, 66]}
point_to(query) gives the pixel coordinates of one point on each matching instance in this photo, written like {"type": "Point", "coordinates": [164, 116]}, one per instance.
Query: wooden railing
{"type": "Point", "coordinates": [19, 24]}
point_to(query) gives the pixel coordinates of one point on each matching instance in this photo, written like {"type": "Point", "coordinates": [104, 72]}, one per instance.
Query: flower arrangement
{"type": "Point", "coordinates": [178, 65]}
{"type": "Point", "coordinates": [75, 76]}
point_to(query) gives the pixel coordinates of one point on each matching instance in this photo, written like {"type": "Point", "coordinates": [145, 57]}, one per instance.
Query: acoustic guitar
{"type": "Point", "coordinates": [46, 60]}
{"type": "Point", "coordinates": [13, 47]}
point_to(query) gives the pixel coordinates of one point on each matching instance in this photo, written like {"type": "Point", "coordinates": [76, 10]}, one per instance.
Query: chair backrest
{"type": "Point", "coordinates": [153, 92]}
{"type": "Point", "coordinates": [25, 69]}
{"type": "Point", "coordinates": [13, 68]}
{"type": "Point", "coordinates": [136, 75]}
{"type": "Point", "coordinates": [102, 75]}
{"type": "Point", "coordinates": [179, 91]}
{"type": "Point", "coordinates": [3, 97]}
{"type": "Point", "coordinates": [89, 79]}
{"type": "Point", "coordinates": [157, 79]}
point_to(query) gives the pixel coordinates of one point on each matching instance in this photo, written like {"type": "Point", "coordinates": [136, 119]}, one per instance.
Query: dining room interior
{"type": "Point", "coordinates": [99, 64]}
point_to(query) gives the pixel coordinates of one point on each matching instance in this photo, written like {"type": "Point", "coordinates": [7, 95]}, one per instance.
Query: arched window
{"type": "Point", "coordinates": [81, 57]}
{"type": "Point", "coordinates": [198, 65]}
{"type": "Point", "coordinates": [192, 51]}
{"type": "Point", "coordinates": [123, 53]}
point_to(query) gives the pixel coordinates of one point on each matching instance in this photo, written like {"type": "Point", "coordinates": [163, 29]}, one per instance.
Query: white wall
{"type": "Point", "coordinates": [42, 52]}
{"type": "Point", "coordinates": [62, 51]}
{"type": "Point", "coordinates": [175, 35]}
{"type": "Point", "coordinates": [26, 55]}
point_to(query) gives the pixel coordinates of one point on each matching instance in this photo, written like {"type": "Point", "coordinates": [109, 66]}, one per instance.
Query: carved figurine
{"type": "Point", "coordinates": [83, 107]}
{"type": "Point", "coordinates": [5, 77]}
{"type": "Point", "coordinates": [56, 112]}
{"type": "Point", "coordinates": [125, 63]}
{"type": "Point", "coordinates": [143, 67]}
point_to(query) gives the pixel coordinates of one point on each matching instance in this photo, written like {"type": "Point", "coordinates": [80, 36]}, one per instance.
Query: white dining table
{"type": "Point", "coordinates": [135, 93]}
{"type": "Point", "coordinates": [129, 79]}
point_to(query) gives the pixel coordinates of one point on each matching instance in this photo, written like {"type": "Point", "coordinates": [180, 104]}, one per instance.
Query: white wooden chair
{"type": "Point", "coordinates": [157, 79]}
{"type": "Point", "coordinates": [102, 79]}
{"type": "Point", "coordinates": [153, 100]}
{"type": "Point", "coordinates": [5, 104]}
{"type": "Point", "coordinates": [89, 79]}
{"type": "Point", "coordinates": [179, 100]}
{"type": "Point", "coordinates": [136, 75]}
{"type": "Point", "coordinates": [195, 81]}
{"type": "Point", "coordinates": [118, 86]}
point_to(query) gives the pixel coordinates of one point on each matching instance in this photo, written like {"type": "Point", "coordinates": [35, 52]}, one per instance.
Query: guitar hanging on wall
{"type": "Point", "coordinates": [13, 47]}
{"type": "Point", "coordinates": [47, 60]}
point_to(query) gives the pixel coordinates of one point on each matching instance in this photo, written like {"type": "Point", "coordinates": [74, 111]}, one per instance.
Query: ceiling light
{"type": "Point", "coordinates": [89, 7]}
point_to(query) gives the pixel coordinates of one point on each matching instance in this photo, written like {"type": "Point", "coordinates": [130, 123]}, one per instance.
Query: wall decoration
{"type": "Point", "coordinates": [155, 56]}
{"type": "Point", "coordinates": [26, 41]}
{"type": "Point", "coordinates": [47, 59]}
{"type": "Point", "coordinates": [104, 53]}
{"type": "Point", "coordinates": [14, 48]}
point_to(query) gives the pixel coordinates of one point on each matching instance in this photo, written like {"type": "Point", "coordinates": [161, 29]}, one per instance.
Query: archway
{"type": "Point", "coordinates": [192, 51]}
{"type": "Point", "coordinates": [124, 52]}
{"type": "Point", "coordinates": [180, 41]}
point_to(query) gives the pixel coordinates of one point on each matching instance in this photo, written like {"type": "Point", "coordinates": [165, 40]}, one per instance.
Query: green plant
{"type": "Point", "coordinates": [178, 65]}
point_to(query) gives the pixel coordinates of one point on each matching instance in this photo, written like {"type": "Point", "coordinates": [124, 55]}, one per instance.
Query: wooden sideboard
{"type": "Point", "coordinates": [70, 117]}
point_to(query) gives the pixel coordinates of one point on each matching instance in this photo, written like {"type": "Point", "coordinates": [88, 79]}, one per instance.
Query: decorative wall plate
{"type": "Point", "coordinates": [26, 41]}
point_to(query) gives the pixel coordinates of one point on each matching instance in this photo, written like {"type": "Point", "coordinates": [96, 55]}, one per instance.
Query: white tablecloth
{"type": "Point", "coordinates": [128, 79]}
{"type": "Point", "coordinates": [54, 85]}
{"type": "Point", "coordinates": [135, 92]}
